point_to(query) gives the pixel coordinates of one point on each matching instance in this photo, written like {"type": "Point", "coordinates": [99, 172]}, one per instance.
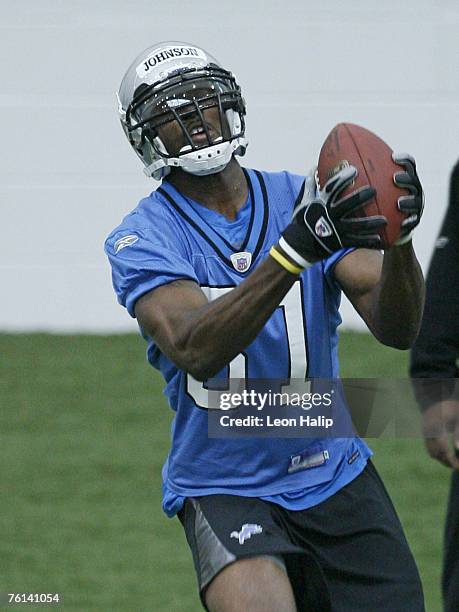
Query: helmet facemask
{"type": "Point", "coordinates": [183, 98]}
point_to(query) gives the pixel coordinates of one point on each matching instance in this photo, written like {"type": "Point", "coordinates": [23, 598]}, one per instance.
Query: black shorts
{"type": "Point", "coordinates": [347, 554]}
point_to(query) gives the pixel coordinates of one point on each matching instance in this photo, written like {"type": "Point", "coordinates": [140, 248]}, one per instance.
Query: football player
{"type": "Point", "coordinates": [435, 358]}
{"type": "Point", "coordinates": [235, 273]}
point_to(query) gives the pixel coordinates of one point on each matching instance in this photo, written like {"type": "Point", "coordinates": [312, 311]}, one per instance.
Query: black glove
{"type": "Point", "coordinates": [321, 223]}
{"type": "Point", "coordinates": [413, 204]}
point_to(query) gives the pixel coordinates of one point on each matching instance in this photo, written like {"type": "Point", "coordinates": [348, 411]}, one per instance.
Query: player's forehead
{"type": "Point", "coordinates": [182, 94]}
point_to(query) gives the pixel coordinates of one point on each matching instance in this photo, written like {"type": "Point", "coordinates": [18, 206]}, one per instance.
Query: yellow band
{"type": "Point", "coordinates": [284, 262]}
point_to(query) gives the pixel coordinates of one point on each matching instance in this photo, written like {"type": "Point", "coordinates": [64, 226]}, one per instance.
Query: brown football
{"type": "Point", "coordinates": [349, 144]}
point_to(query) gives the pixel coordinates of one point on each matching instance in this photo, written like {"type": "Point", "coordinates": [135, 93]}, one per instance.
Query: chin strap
{"type": "Point", "coordinates": [209, 160]}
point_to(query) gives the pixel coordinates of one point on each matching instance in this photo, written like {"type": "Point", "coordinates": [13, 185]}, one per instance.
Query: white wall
{"type": "Point", "coordinates": [68, 176]}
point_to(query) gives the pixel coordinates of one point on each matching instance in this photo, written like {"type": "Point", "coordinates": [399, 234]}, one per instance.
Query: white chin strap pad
{"type": "Point", "coordinates": [210, 160]}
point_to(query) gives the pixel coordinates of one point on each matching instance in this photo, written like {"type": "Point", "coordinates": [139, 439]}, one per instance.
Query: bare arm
{"type": "Point", "coordinates": [387, 291]}
{"type": "Point", "coordinates": [201, 337]}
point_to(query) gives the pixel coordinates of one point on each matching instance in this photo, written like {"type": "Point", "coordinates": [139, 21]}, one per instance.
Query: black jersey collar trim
{"type": "Point", "coordinates": [258, 223]}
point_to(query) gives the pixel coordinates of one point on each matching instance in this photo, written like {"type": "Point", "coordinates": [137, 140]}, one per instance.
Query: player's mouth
{"type": "Point", "coordinates": [199, 136]}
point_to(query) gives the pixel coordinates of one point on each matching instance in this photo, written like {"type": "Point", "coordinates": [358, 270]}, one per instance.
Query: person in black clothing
{"type": "Point", "coordinates": [435, 356]}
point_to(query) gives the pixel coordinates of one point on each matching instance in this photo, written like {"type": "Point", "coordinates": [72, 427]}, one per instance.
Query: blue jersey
{"type": "Point", "coordinates": [168, 237]}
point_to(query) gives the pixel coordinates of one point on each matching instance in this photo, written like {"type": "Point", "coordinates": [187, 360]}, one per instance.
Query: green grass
{"type": "Point", "coordinates": [83, 434]}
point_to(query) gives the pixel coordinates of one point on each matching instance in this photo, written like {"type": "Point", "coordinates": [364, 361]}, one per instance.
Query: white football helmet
{"type": "Point", "coordinates": [176, 81]}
